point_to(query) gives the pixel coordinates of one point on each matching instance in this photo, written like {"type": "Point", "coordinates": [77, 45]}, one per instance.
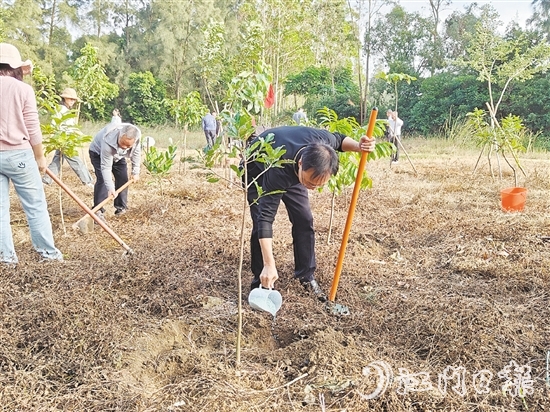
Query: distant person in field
{"type": "Point", "coordinates": [388, 134]}
{"type": "Point", "coordinates": [210, 128]}
{"type": "Point", "coordinates": [300, 117]}
{"type": "Point", "coordinates": [394, 126]}
{"type": "Point", "coordinates": [68, 100]}
{"type": "Point", "coordinates": [22, 159]}
{"type": "Point", "coordinates": [314, 152]}
{"type": "Point", "coordinates": [109, 150]}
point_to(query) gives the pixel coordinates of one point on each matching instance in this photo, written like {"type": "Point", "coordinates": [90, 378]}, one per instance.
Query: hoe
{"type": "Point", "coordinates": [337, 308]}
{"type": "Point", "coordinates": [89, 212]}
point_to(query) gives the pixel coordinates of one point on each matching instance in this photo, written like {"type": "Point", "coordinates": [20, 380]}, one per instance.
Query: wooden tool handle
{"type": "Point", "coordinates": [103, 203]}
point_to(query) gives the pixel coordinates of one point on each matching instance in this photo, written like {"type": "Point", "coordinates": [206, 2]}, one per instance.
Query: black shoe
{"type": "Point", "coordinates": [313, 287]}
{"type": "Point", "coordinates": [101, 216]}
{"type": "Point", "coordinates": [119, 212]}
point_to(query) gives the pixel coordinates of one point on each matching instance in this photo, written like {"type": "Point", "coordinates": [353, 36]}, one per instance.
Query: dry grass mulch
{"type": "Point", "coordinates": [448, 297]}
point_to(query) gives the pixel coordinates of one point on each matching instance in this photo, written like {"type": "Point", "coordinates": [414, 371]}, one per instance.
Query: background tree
{"type": "Point", "coordinates": [445, 98]}
{"type": "Point", "coordinates": [322, 87]}
{"type": "Point", "coordinates": [91, 83]}
{"type": "Point", "coordinates": [437, 51]}
{"type": "Point", "coordinates": [187, 112]}
{"type": "Point", "coordinates": [4, 16]}
{"type": "Point", "coordinates": [211, 58]}
{"type": "Point", "coordinates": [145, 102]}
{"type": "Point", "coordinates": [498, 62]}
{"type": "Point", "coordinates": [96, 15]}
{"type": "Point", "coordinates": [394, 79]}
{"type": "Point", "coordinates": [367, 11]}
{"type": "Point", "coordinates": [21, 29]}
{"type": "Point", "coordinates": [402, 40]}
{"type": "Point", "coordinates": [541, 16]}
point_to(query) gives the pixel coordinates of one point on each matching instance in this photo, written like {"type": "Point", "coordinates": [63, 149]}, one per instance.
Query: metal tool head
{"type": "Point", "coordinates": [85, 225]}
{"type": "Point", "coordinates": [337, 309]}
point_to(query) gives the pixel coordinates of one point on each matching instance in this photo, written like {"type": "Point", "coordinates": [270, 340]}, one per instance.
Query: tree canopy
{"type": "Point", "coordinates": [318, 52]}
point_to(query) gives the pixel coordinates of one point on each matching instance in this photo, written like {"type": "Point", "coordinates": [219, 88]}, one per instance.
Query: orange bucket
{"type": "Point", "coordinates": [513, 198]}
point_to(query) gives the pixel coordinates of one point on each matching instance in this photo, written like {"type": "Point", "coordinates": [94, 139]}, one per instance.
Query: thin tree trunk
{"type": "Point", "coordinates": [61, 195]}
{"type": "Point", "coordinates": [239, 277]}
{"type": "Point", "coordinates": [479, 157]}
{"type": "Point", "coordinates": [52, 21]}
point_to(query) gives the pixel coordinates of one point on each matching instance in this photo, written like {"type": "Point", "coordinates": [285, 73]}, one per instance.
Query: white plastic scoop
{"type": "Point", "coordinates": [268, 300]}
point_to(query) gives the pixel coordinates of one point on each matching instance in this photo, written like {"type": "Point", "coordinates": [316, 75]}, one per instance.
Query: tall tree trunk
{"type": "Point", "coordinates": [52, 21]}
{"type": "Point", "coordinates": [98, 19]}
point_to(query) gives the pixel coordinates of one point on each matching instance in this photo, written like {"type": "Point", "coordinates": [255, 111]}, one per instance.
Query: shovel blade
{"type": "Point", "coordinates": [86, 225]}
{"type": "Point", "coordinates": [337, 309]}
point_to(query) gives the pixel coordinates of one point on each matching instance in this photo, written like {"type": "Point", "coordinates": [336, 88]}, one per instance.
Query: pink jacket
{"type": "Point", "coordinates": [19, 124]}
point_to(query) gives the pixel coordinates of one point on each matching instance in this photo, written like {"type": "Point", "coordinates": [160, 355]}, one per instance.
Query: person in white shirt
{"type": "Point", "coordinates": [300, 117]}
{"type": "Point", "coordinates": [394, 126]}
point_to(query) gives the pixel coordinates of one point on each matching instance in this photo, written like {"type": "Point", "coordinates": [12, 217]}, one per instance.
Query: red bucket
{"type": "Point", "coordinates": [513, 199]}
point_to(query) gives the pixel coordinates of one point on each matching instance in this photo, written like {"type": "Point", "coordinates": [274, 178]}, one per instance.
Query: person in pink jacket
{"type": "Point", "coordinates": [22, 158]}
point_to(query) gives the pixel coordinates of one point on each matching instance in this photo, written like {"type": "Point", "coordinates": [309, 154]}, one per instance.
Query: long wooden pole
{"type": "Point", "coordinates": [351, 211]}
{"type": "Point", "coordinates": [89, 211]}
{"type": "Point", "coordinates": [100, 205]}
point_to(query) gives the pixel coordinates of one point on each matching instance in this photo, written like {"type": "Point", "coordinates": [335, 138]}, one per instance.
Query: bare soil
{"type": "Point", "coordinates": [448, 298]}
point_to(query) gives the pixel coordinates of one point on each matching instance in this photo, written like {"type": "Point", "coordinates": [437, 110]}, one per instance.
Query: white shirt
{"type": "Point", "coordinates": [395, 126]}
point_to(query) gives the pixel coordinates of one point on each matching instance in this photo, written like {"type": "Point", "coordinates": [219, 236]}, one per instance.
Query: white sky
{"type": "Point", "coordinates": [518, 10]}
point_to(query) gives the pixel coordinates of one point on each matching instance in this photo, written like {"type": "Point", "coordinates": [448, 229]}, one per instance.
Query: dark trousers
{"type": "Point", "coordinates": [296, 200]}
{"type": "Point", "coordinates": [396, 140]}
{"type": "Point", "coordinates": [210, 137]}
{"type": "Point", "coordinates": [120, 172]}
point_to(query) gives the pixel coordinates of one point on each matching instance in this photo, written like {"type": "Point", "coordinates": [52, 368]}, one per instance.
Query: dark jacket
{"type": "Point", "coordinates": [293, 138]}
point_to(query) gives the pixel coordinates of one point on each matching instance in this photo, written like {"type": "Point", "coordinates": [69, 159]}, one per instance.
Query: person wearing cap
{"type": "Point", "coordinates": [22, 158]}
{"type": "Point", "coordinates": [109, 150]}
{"type": "Point", "coordinates": [68, 100]}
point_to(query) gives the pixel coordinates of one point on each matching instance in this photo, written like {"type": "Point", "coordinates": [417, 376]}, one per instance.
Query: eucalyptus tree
{"type": "Point", "coordinates": [211, 58]}
{"type": "Point", "coordinates": [56, 14]}
{"type": "Point", "coordinates": [173, 41]}
{"type": "Point", "coordinates": [285, 37]}
{"type": "Point", "coordinates": [19, 20]}
{"type": "Point", "coordinates": [437, 51]}
{"type": "Point", "coordinates": [457, 27]}
{"type": "Point", "coordinates": [96, 15]}
{"type": "Point", "coordinates": [125, 18]}
{"type": "Point", "coordinates": [541, 16]}
{"type": "Point", "coordinates": [367, 11]}
{"type": "Point", "coordinates": [336, 47]}
{"type": "Point", "coordinates": [402, 40]}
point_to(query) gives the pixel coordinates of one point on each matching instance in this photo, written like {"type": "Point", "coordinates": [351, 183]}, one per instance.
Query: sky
{"type": "Point", "coordinates": [519, 10]}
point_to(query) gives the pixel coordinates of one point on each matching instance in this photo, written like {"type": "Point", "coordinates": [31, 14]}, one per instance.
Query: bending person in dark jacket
{"type": "Point", "coordinates": [315, 161]}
